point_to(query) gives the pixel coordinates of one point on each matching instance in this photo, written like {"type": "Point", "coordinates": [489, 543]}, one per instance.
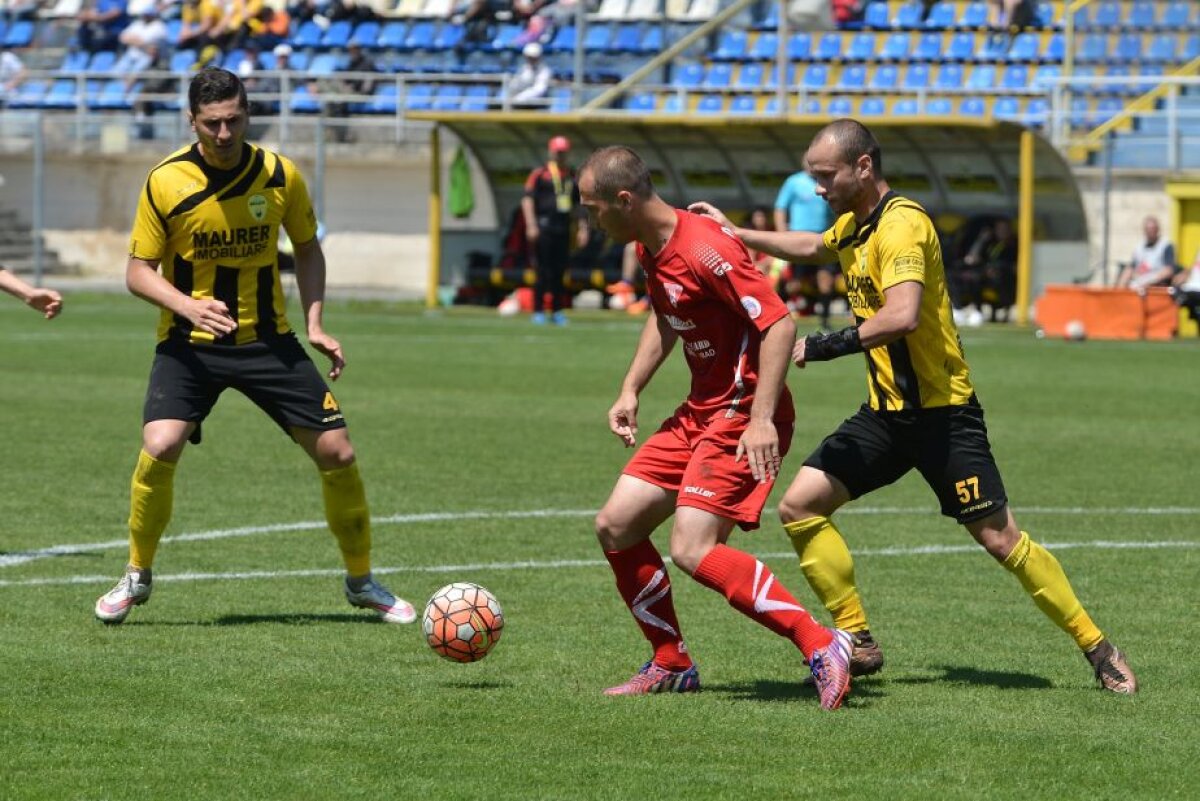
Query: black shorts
{"type": "Point", "coordinates": [276, 374]}
{"type": "Point", "coordinates": [949, 445]}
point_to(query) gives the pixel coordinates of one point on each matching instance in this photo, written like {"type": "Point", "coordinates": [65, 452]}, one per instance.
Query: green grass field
{"type": "Point", "coordinates": [483, 444]}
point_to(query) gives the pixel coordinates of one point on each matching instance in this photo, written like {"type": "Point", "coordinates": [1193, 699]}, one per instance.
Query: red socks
{"type": "Point", "coordinates": [751, 588]}
{"type": "Point", "coordinates": [643, 582]}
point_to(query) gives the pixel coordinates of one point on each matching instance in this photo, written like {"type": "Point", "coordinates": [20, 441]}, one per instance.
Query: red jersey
{"type": "Point", "coordinates": [703, 284]}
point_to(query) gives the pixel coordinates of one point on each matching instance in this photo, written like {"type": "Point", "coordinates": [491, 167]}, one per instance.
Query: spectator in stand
{"type": "Point", "coordinates": [231, 31]}
{"type": "Point", "coordinates": [12, 73]}
{"type": "Point", "coordinates": [354, 10]}
{"type": "Point", "coordinates": [268, 28]}
{"type": "Point", "coordinates": [1153, 262]}
{"type": "Point", "coordinates": [356, 84]}
{"type": "Point", "coordinates": [1186, 286]}
{"type": "Point", "coordinates": [100, 25]}
{"type": "Point", "coordinates": [848, 13]}
{"type": "Point", "coordinates": [198, 19]}
{"type": "Point", "coordinates": [527, 88]}
{"type": "Point", "coordinates": [798, 208]}
{"type": "Point", "coordinates": [479, 20]}
{"type": "Point", "coordinates": [1008, 16]}
{"type": "Point", "coordinates": [146, 28]}
{"type": "Point", "coordinates": [161, 83]}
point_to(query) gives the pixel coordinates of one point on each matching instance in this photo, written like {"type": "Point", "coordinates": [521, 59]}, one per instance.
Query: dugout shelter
{"type": "Point", "coordinates": [957, 169]}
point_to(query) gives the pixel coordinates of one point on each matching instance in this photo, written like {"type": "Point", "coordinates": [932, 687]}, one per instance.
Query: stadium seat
{"type": "Point", "coordinates": [816, 76]}
{"type": "Point", "coordinates": [1118, 71]}
{"type": "Point", "coordinates": [1106, 109]}
{"type": "Point", "coordinates": [853, 77]}
{"type": "Point", "coordinates": [916, 76]}
{"type": "Point", "coordinates": [829, 47]}
{"type": "Point", "coordinates": [1007, 108]}
{"type": "Point", "coordinates": [905, 107]}
{"type": "Point", "coordinates": [876, 16]}
{"type": "Point", "coordinates": [718, 76]}
{"type": "Point", "coordinates": [1163, 48]}
{"type": "Point", "coordinates": [1015, 78]}
{"type": "Point", "coordinates": [982, 78]}
{"type": "Point", "coordinates": [1143, 15]}
{"type": "Point", "coordinates": [688, 76]}
{"type": "Point", "coordinates": [19, 34]}
{"type": "Point", "coordinates": [628, 39]}
{"type": "Point", "coordinates": [324, 64]}
{"type": "Point", "coordinates": [1092, 48]}
{"type": "Point", "coordinates": [939, 107]}
{"type": "Point", "coordinates": [750, 76]}
{"type": "Point", "coordinates": [1037, 111]}
{"type": "Point", "coordinates": [419, 36]}
{"type": "Point", "coordinates": [1177, 15]}
{"type": "Point", "coordinates": [448, 37]}
{"type": "Point", "coordinates": [418, 97]}
{"type": "Point", "coordinates": [895, 47]}
{"type": "Point", "coordinates": [770, 19]}
{"type": "Point", "coordinates": [74, 61]}
{"type": "Point", "coordinates": [182, 61]}
{"type": "Point", "coordinates": [447, 97]}
{"type": "Point", "coordinates": [393, 35]}
{"type": "Point", "coordinates": [862, 47]}
{"type": "Point", "coordinates": [366, 35]}
{"type": "Point", "coordinates": [800, 46]}
{"type": "Point", "coordinates": [972, 107]}
{"type": "Point", "coordinates": [743, 104]}
{"type": "Point", "coordinates": [477, 97]}
{"type": "Point", "coordinates": [908, 16]}
{"type": "Point", "coordinates": [103, 61]}
{"type": "Point", "coordinates": [563, 41]}
{"type": "Point", "coordinates": [789, 76]}
{"type": "Point", "coordinates": [872, 107]}
{"type": "Point", "coordinates": [1152, 73]}
{"type": "Point", "coordinates": [950, 76]}
{"type": "Point", "coordinates": [810, 106]}
{"type": "Point", "coordinates": [765, 47]}
{"type": "Point", "coordinates": [1191, 50]}
{"type": "Point", "coordinates": [652, 42]}
{"type": "Point", "coordinates": [597, 38]}
{"type": "Point", "coordinates": [991, 49]}
{"type": "Point", "coordinates": [961, 47]}
{"type": "Point", "coordinates": [307, 36]}
{"type": "Point", "coordinates": [1044, 77]}
{"type": "Point", "coordinates": [383, 99]}
{"type": "Point", "coordinates": [941, 17]}
{"type": "Point", "coordinates": [29, 94]}
{"type": "Point", "coordinates": [886, 77]}
{"type": "Point", "coordinates": [732, 46]}
{"type": "Point", "coordinates": [506, 38]}
{"type": "Point", "coordinates": [929, 47]}
{"type": "Point", "coordinates": [1106, 15]}
{"type": "Point", "coordinates": [1024, 47]}
{"type": "Point", "coordinates": [113, 95]}
{"type": "Point", "coordinates": [1046, 15]}
{"type": "Point", "coordinates": [1081, 112]}
{"type": "Point", "coordinates": [1056, 49]}
{"type": "Point", "coordinates": [337, 35]}
{"type": "Point", "coordinates": [643, 102]}
{"type": "Point", "coordinates": [840, 107]}
{"type": "Point", "coordinates": [672, 104]}
{"type": "Point", "coordinates": [1129, 48]}
{"type": "Point", "coordinates": [974, 15]}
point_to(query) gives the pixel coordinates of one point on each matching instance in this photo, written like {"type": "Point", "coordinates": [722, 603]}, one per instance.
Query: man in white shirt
{"type": "Point", "coordinates": [532, 81]}
{"type": "Point", "coordinates": [12, 72]}
{"type": "Point", "coordinates": [1153, 262]}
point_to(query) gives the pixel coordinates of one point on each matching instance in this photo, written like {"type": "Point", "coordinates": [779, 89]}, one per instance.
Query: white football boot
{"type": "Point", "coordinates": [379, 598]}
{"type": "Point", "coordinates": [132, 590]}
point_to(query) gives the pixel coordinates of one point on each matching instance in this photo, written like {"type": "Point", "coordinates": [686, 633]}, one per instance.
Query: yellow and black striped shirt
{"type": "Point", "coordinates": [215, 234]}
{"type": "Point", "coordinates": [898, 243]}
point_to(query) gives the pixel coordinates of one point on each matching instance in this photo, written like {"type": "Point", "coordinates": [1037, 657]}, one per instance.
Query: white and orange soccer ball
{"type": "Point", "coordinates": [463, 622]}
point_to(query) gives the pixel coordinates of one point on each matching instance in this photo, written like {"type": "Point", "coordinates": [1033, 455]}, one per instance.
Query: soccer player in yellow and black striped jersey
{"type": "Point", "coordinates": [209, 219]}
{"type": "Point", "coordinates": [921, 411]}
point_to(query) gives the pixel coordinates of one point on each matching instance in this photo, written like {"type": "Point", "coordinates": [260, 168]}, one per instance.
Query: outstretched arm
{"type": "Point", "coordinates": [794, 246]}
{"type": "Point", "coordinates": [47, 301]}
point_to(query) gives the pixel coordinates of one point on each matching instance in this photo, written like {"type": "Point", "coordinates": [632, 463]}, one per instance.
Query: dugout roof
{"type": "Point", "coordinates": [952, 166]}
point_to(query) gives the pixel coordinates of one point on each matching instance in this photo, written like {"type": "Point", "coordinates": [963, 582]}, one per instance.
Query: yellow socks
{"type": "Point", "coordinates": [346, 512]}
{"type": "Point", "coordinates": [827, 565]}
{"type": "Point", "coordinates": [1043, 578]}
{"type": "Point", "coordinates": [151, 494]}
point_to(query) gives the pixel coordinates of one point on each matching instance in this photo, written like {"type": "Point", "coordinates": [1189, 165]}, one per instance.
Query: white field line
{"type": "Point", "coordinates": [559, 564]}
{"type": "Point", "coordinates": [22, 557]}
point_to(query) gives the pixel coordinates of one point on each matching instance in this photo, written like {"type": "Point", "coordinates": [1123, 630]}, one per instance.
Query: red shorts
{"type": "Point", "coordinates": [695, 458]}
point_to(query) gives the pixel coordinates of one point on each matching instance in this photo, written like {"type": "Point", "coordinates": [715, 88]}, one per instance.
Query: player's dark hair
{"type": "Point", "coordinates": [616, 169]}
{"type": "Point", "coordinates": [213, 85]}
{"type": "Point", "coordinates": [855, 140]}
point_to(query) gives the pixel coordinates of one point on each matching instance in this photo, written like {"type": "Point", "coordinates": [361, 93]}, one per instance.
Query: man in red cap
{"type": "Point", "coordinates": [551, 201]}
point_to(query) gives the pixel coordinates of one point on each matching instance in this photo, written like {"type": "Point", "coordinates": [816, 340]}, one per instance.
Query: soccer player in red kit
{"type": "Point", "coordinates": [712, 464]}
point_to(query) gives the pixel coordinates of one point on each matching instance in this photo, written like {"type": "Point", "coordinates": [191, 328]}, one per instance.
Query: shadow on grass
{"type": "Point", "coordinates": [482, 684]}
{"type": "Point", "coordinates": [770, 690]}
{"type": "Point", "coordinates": [253, 620]}
{"type": "Point", "coordinates": [1004, 680]}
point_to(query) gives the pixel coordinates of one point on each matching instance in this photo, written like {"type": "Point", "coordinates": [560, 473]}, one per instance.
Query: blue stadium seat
{"type": "Point", "coordinates": [29, 94]}
{"type": "Point", "coordinates": [1007, 108]}
{"type": "Point", "coordinates": [1129, 48]}
{"type": "Point", "coordinates": [872, 107]}
{"type": "Point", "coordinates": [941, 17]}
{"type": "Point", "coordinates": [1036, 111]}
{"type": "Point", "coordinates": [1081, 112]}
{"type": "Point", "coordinates": [324, 64]}
{"type": "Point", "coordinates": [770, 20]}
{"type": "Point", "coordinates": [908, 16]}
{"type": "Point", "coordinates": [174, 26]}
{"type": "Point", "coordinates": [992, 48]}
{"type": "Point", "coordinates": [810, 106]}
{"type": "Point", "coordinates": [448, 37]}
{"type": "Point", "coordinates": [182, 61]}
{"type": "Point", "coordinates": [1044, 75]}
{"type": "Point", "coordinates": [1143, 15]}
{"type": "Point", "coordinates": [448, 97]}
{"type": "Point", "coordinates": [939, 107]}
{"type": "Point", "coordinates": [1093, 47]}
{"type": "Point", "coordinates": [816, 76]}
{"type": "Point", "coordinates": [895, 47]}
{"type": "Point", "coordinates": [393, 35]}
{"type": "Point", "coordinates": [628, 39]}
{"type": "Point", "coordinates": [710, 104]}
{"type": "Point", "coordinates": [1192, 49]}
{"type": "Point", "coordinates": [982, 78]}
{"type": "Point", "coordinates": [743, 104]}
{"type": "Point", "coordinates": [972, 107]}
{"type": "Point", "coordinates": [765, 46]}
{"type": "Point", "coordinates": [113, 96]}
{"type": "Point", "coordinates": [905, 107]}
{"type": "Point", "coordinates": [862, 47]}
{"type": "Point", "coordinates": [103, 61]}
{"type": "Point", "coordinates": [19, 34]}
{"type": "Point", "coordinates": [366, 35]}
{"type": "Point", "coordinates": [307, 36]}
{"type": "Point", "coordinates": [641, 102]}
{"type": "Point", "coordinates": [1177, 15]}
{"type": "Point", "coordinates": [800, 46]}
{"type": "Point", "coordinates": [750, 76]}
{"type": "Point", "coordinates": [876, 16]}
{"type": "Point", "coordinates": [1015, 78]}
{"type": "Point", "coordinates": [1083, 19]}
{"type": "Point", "coordinates": [419, 97]}
{"type": "Point", "coordinates": [950, 76]}
{"type": "Point", "coordinates": [1056, 49]}
{"type": "Point", "coordinates": [688, 76]}
{"type": "Point", "coordinates": [1163, 48]}
{"type": "Point", "coordinates": [974, 15]}
{"type": "Point", "coordinates": [961, 47]}
{"type": "Point", "coordinates": [1106, 109]}
{"type": "Point", "coordinates": [1046, 16]}
{"type": "Point", "coordinates": [477, 97]}
{"type": "Point", "coordinates": [1118, 71]}
{"type": "Point", "coordinates": [916, 76]}
{"type": "Point", "coordinates": [420, 36]}
{"type": "Point", "coordinates": [731, 46]}
{"type": "Point", "coordinates": [1151, 72]}
{"type": "Point", "coordinates": [1106, 15]}
{"type": "Point", "coordinates": [789, 76]}
{"type": "Point", "coordinates": [230, 61]}
{"type": "Point", "coordinates": [74, 61]}
{"type": "Point", "coordinates": [337, 35]}
{"type": "Point", "coordinates": [829, 47]}
{"type": "Point", "coordinates": [597, 38]}
{"type": "Point", "coordinates": [840, 107]}
{"type": "Point", "coordinates": [506, 37]}
{"type": "Point", "coordinates": [1024, 47]}
{"type": "Point", "coordinates": [718, 76]}
{"type": "Point", "coordinates": [853, 77]}
{"type": "Point", "coordinates": [383, 99]}
{"type": "Point", "coordinates": [929, 47]}
{"type": "Point", "coordinates": [672, 104]}
{"type": "Point", "coordinates": [563, 41]}
{"type": "Point", "coordinates": [652, 42]}
{"type": "Point", "coordinates": [885, 78]}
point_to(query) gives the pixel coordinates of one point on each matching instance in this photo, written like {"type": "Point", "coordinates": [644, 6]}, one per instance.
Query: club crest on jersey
{"type": "Point", "coordinates": [258, 207]}
{"type": "Point", "coordinates": [752, 306]}
{"type": "Point", "coordinates": [674, 292]}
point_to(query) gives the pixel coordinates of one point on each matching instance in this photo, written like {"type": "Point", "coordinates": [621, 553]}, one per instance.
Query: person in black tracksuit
{"type": "Point", "coordinates": [550, 203]}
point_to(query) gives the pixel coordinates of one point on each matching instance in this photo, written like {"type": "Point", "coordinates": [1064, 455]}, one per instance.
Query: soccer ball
{"type": "Point", "coordinates": [463, 622]}
{"type": "Point", "coordinates": [1075, 330]}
